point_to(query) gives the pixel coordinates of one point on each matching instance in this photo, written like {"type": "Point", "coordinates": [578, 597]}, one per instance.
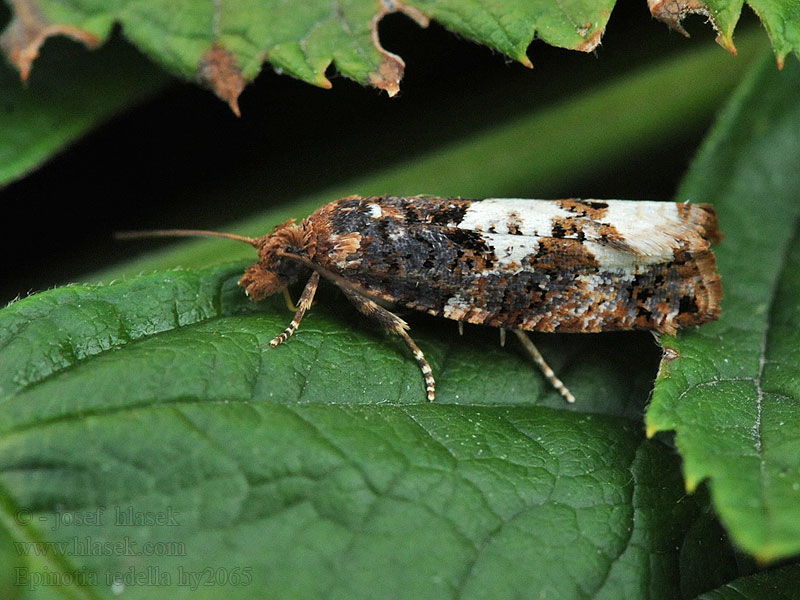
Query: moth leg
{"type": "Point", "coordinates": [502, 337]}
{"type": "Point", "coordinates": [288, 299]}
{"type": "Point", "coordinates": [394, 324]}
{"type": "Point", "coordinates": [302, 306]}
{"type": "Point", "coordinates": [546, 370]}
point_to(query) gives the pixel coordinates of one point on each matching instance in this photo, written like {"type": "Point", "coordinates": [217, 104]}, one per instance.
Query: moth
{"type": "Point", "coordinates": [574, 266]}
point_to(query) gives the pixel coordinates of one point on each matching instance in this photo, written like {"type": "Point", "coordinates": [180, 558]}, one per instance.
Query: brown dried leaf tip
{"type": "Point", "coordinates": [218, 71]}
{"type": "Point", "coordinates": [591, 42]}
{"type": "Point", "coordinates": [391, 69]}
{"type": "Point", "coordinates": [672, 12]}
{"type": "Point", "coordinates": [29, 29]}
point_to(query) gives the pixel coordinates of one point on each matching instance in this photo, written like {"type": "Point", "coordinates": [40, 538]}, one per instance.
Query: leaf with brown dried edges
{"type": "Point", "coordinates": [780, 18]}
{"type": "Point", "coordinates": [223, 44]}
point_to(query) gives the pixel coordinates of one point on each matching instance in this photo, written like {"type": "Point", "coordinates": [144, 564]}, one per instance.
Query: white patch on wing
{"type": "Point", "coordinates": [511, 249]}
{"type": "Point", "coordinates": [613, 259]}
{"type": "Point", "coordinates": [532, 217]}
{"type": "Point", "coordinates": [375, 211]}
{"type": "Point", "coordinates": [649, 228]}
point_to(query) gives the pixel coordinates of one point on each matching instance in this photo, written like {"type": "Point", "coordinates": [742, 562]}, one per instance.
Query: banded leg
{"type": "Point", "coordinates": [394, 324]}
{"type": "Point", "coordinates": [306, 298]}
{"type": "Point", "coordinates": [546, 370]}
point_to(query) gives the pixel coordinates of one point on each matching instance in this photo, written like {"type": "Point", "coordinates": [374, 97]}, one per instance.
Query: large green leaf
{"type": "Point", "coordinates": [730, 390]}
{"type": "Point", "coordinates": [223, 44]}
{"type": "Point", "coordinates": [312, 468]}
{"type": "Point", "coordinates": [48, 340]}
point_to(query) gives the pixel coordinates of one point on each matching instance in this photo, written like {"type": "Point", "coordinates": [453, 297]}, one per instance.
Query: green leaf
{"type": "Point", "coordinates": [781, 19]}
{"type": "Point", "coordinates": [730, 389]}
{"type": "Point", "coordinates": [223, 44]}
{"type": "Point", "coordinates": [319, 471]}
{"type": "Point", "coordinates": [49, 339]}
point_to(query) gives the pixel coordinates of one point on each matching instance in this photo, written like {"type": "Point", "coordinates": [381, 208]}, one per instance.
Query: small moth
{"type": "Point", "coordinates": [574, 266]}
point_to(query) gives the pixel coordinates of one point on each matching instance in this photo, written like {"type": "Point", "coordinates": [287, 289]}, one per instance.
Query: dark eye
{"type": "Point", "coordinates": [288, 269]}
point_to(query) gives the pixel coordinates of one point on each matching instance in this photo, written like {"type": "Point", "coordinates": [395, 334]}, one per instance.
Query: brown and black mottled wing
{"type": "Point", "coordinates": [573, 266]}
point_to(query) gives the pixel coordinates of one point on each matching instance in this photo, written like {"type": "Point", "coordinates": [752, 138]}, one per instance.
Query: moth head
{"type": "Point", "coordinates": [277, 267]}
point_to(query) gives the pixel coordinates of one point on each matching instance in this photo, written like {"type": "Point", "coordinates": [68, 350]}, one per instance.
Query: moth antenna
{"type": "Point", "coordinates": [135, 235]}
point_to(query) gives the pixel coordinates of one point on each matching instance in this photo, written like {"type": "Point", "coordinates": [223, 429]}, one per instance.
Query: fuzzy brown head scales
{"type": "Point", "coordinates": [274, 270]}
{"type": "Point", "coordinates": [282, 254]}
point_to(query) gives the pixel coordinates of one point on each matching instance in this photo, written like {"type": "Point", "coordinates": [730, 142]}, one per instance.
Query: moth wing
{"type": "Point", "coordinates": [643, 228]}
{"type": "Point", "coordinates": [653, 229]}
